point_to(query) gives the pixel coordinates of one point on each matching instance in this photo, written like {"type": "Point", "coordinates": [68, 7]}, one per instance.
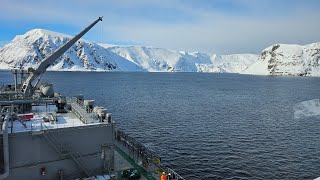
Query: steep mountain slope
{"type": "Point", "coordinates": [159, 59]}
{"type": "Point", "coordinates": [285, 59]}
{"type": "Point", "coordinates": [31, 48]}
{"type": "Point", "coordinates": [152, 59]}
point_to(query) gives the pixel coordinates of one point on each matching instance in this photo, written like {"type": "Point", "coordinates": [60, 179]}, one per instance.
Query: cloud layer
{"type": "Point", "coordinates": [223, 27]}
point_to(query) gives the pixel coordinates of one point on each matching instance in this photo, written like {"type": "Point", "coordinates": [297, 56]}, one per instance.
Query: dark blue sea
{"type": "Point", "coordinates": [210, 126]}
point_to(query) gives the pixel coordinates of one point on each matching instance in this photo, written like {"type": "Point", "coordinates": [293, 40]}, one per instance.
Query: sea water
{"type": "Point", "coordinates": [211, 126]}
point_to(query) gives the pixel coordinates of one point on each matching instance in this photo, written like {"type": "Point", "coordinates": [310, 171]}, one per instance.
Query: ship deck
{"type": "Point", "coordinates": [37, 123]}
{"type": "Point", "coordinates": [123, 159]}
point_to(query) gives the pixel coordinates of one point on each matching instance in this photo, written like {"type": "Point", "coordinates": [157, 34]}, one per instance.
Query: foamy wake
{"type": "Point", "coordinates": [307, 109]}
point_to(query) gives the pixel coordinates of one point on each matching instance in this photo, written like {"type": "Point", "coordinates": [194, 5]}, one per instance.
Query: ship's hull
{"type": "Point", "coordinates": [64, 153]}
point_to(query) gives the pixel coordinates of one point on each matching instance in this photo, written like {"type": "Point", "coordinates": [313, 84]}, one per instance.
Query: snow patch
{"type": "Point", "coordinates": [307, 109]}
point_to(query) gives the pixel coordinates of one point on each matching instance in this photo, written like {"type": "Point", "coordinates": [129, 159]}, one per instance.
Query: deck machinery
{"type": "Point", "coordinates": [45, 135]}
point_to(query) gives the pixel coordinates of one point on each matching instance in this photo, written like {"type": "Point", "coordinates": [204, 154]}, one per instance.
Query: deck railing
{"type": "Point", "coordinates": [151, 162]}
{"type": "Point", "coordinates": [85, 116]}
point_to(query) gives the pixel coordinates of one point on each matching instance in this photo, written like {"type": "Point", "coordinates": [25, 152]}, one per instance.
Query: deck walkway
{"type": "Point", "coordinates": [143, 172]}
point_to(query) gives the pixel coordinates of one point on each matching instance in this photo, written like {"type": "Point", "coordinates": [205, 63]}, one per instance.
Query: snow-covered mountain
{"type": "Point", "coordinates": [159, 59]}
{"type": "Point", "coordinates": [235, 63]}
{"type": "Point", "coordinates": [31, 48]}
{"type": "Point", "coordinates": [288, 59]}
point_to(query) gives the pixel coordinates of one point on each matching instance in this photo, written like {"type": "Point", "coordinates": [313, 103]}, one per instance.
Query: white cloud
{"type": "Point", "coordinates": [222, 33]}
{"type": "Point", "coordinates": [202, 29]}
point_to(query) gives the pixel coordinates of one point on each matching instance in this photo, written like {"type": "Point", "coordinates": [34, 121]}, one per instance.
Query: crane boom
{"type": "Point", "coordinates": [35, 73]}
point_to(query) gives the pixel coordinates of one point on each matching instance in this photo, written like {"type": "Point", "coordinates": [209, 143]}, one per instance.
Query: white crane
{"type": "Point", "coordinates": [27, 87]}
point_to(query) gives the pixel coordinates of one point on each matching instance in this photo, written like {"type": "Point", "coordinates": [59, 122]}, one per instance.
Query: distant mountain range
{"type": "Point", "coordinates": [32, 47]}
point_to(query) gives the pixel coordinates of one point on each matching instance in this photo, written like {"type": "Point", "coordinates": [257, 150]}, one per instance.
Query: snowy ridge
{"type": "Point", "coordinates": [34, 46]}
{"type": "Point", "coordinates": [235, 63]}
{"type": "Point", "coordinates": [288, 59]}
{"type": "Point", "coordinates": [159, 59]}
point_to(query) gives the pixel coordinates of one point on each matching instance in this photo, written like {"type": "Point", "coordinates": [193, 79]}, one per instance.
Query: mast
{"type": "Point", "coordinates": [35, 73]}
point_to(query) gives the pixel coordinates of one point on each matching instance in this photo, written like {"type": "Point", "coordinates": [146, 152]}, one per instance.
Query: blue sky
{"type": "Point", "coordinates": [215, 26]}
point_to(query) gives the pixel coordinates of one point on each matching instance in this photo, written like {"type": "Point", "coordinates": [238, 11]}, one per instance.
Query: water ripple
{"type": "Point", "coordinates": [212, 126]}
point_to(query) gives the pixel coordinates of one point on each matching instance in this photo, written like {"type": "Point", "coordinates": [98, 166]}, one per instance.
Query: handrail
{"type": "Point", "coordinates": [147, 155]}
{"type": "Point", "coordinates": [84, 116]}
{"type": "Point", "coordinates": [173, 174]}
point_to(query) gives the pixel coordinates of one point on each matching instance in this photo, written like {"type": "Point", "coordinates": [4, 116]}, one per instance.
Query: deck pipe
{"type": "Point", "coordinates": [5, 147]}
